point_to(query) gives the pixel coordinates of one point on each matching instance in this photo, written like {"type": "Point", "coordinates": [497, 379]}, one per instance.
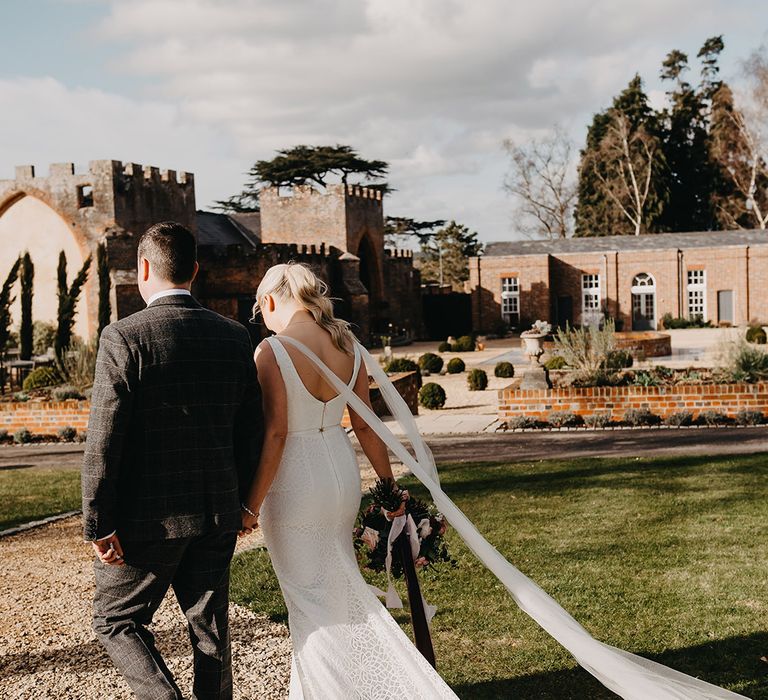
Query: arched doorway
{"type": "Point", "coordinates": [643, 302]}
{"type": "Point", "coordinates": [30, 224]}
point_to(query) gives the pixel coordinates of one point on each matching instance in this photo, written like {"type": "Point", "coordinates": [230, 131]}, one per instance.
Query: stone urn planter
{"type": "Point", "coordinates": [535, 376]}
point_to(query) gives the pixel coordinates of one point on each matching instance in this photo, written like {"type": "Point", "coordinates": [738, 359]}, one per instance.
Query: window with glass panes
{"type": "Point", "coordinates": [510, 299]}
{"type": "Point", "coordinates": [697, 294]}
{"type": "Point", "coordinates": [590, 294]}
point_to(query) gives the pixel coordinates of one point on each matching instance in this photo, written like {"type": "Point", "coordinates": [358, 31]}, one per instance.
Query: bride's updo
{"type": "Point", "coordinates": [297, 282]}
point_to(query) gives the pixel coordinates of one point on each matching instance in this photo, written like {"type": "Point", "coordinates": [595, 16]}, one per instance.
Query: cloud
{"type": "Point", "coordinates": [432, 86]}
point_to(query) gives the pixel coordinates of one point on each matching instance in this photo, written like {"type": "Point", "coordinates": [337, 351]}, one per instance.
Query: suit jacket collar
{"type": "Point", "coordinates": [176, 300]}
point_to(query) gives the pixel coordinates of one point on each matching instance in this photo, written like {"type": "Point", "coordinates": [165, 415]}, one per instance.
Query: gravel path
{"type": "Point", "coordinates": [47, 649]}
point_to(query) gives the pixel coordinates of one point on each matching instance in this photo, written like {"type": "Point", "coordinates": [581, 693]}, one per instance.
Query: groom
{"type": "Point", "coordinates": [174, 433]}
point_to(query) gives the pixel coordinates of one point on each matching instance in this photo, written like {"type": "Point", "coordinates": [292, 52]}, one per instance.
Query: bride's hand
{"type": "Point", "coordinates": [249, 524]}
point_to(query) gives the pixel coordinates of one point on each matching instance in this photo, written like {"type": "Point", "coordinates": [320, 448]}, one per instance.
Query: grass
{"type": "Point", "coordinates": [32, 494]}
{"type": "Point", "coordinates": [663, 557]}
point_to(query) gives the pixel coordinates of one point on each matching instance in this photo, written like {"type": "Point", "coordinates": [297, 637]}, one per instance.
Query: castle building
{"type": "Point", "coordinates": [719, 276]}
{"type": "Point", "coordinates": [339, 232]}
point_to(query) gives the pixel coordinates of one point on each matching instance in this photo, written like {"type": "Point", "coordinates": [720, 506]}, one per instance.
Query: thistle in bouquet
{"type": "Point", "coordinates": [384, 502]}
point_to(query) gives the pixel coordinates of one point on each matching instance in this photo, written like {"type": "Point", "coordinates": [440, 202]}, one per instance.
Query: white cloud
{"type": "Point", "coordinates": [433, 86]}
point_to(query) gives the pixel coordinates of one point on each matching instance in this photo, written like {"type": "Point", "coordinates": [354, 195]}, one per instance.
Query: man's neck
{"type": "Point", "coordinates": [168, 291]}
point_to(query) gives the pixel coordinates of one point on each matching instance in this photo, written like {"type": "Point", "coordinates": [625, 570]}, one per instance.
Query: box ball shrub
{"type": "Point", "coordinates": [445, 346]}
{"type": "Point", "coordinates": [42, 377]}
{"type": "Point", "coordinates": [711, 418]}
{"type": "Point", "coordinates": [504, 369]}
{"type": "Point", "coordinates": [432, 396]}
{"type": "Point", "coordinates": [466, 343]}
{"type": "Point", "coordinates": [431, 363]}
{"type": "Point", "coordinates": [747, 417]}
{"type": "Point", "coordinates": [401, 364]}
{"type": "Point", "coordinates": [521, 423]}
{"type": "Point", "coordinates": [618, 359]}
{"type": "Point", "coordinates": [456, 366]}
{"type": "Point", "coordinates": [477, 380]}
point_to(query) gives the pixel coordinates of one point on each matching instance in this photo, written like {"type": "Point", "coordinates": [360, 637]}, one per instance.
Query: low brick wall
{"type": "Point", "coordinates": [44, 417]}
{"type": "Point", "coordinates": [47, 417]}
{"type": "Point", "coordinates": [407, 385]}
{"type": "Point", "coordinates": [640, 344]}
{"type": "Point", "coordinates": [615, 400]}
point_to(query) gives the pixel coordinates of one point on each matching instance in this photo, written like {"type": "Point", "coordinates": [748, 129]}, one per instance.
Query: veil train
{"type": "Point", "coordinates": [630, 676]}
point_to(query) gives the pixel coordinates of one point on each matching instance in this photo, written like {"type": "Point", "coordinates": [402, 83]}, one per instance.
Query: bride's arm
{"type": "Point", "coordinates": [375, 450]}
{"type": "Point", "coordinates": [275, 428]}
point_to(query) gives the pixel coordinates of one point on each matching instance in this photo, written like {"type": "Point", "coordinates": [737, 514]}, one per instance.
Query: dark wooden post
{"type": "Point", "coordinates": [415, 601]}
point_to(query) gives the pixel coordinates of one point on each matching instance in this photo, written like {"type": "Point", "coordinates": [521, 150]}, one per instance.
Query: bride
{"type": "Point", "coordinates": [306, 496]}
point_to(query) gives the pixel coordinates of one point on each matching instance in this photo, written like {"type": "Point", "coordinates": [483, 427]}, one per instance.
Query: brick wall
{"type": "Point", "coordinates": [407, 385]}
{"type": "Point", "coordinates": [661, 400]}
{"type": "Point", "coordinates": [44, 417]}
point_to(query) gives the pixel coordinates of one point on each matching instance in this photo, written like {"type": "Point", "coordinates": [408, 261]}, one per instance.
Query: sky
{"type": "Point", "coordinates": [431, 86]}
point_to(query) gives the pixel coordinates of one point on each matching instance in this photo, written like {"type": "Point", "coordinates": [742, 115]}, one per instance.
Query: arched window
{"type": "Point", "coordinates": [643, 302]}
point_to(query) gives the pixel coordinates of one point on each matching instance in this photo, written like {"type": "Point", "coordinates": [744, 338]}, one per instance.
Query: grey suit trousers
{"type": "Point", "coordinates": [197, 568]}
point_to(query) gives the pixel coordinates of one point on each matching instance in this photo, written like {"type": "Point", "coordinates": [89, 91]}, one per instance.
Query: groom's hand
{"type": "Point", "coordinates": [109, 550]}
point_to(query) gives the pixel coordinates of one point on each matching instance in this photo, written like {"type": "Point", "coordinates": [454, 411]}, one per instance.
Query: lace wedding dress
{"type": "Point", "coordinates": [346, 645]}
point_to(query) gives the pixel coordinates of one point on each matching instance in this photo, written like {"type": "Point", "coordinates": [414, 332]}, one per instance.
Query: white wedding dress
{"type": "Point", "coordinates": [346, 645]}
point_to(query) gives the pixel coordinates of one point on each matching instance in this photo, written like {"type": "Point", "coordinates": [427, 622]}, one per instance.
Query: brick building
{"type": "Point", "coordinates": [721, 276]}
{"type": "Point", "coordinates": [339, 232]}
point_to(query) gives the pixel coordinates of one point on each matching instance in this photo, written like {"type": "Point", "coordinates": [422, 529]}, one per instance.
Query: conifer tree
{"type": "Point", "coordinates": [26, 328]}
{"type": "Point", "coordinates": [68, 296]}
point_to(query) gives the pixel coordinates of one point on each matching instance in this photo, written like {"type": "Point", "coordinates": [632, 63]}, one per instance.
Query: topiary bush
{"type": "Point", "coordinates": [618, 359]}
{"type": "Point", "coordinates": [597, 420]}
{"type": "Point", "coordinates": [556, 362]}
{"type": "Point", "coordinates": [431, 363]}
{"type": "Point", "coordinates": [756, 334]}
{"type": "Point", "coordinates": [67, 433]}
{"type": "Point", "coordinates": [712, 418]}
{"type": "Point", "coordinates": [505, 370]}
{"type": "Point", "coordinates": [477, 380]}
{"type": "Point", "coordinates": [22, 436]}
{"type": "Point", "coordinates": [3, 435]}
{"type": "Point", "coordinates": [521, 422]}
{"type": "Point", "coordinates": [640, 416]}
{"type": "Point", "coordinates": [42, 377]}
{"type": "Point", "coordinates": [432, 396]}
{"type": "Point", "coordinates": [679, 418]}
{"type": "Point", "coordinates": [466, 343]}
{"type": "Point", "coordinates": [445, 346]}
{"type": "Point", "coordinates": [747, 417]}
{"type": "Point", "coordinates": [401, 364]}
{"type": "Point", "coordinates": [456, 365]}
{"type": "Point", "coordinates": [564, 419]}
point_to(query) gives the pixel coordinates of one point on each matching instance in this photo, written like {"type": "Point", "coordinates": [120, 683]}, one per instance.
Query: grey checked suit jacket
{"type": "Point", "coordinates": [176, 424]}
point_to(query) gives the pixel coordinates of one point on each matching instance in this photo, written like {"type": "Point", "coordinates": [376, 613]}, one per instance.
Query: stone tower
{"type": "Point", "coordinates": [112, 203]}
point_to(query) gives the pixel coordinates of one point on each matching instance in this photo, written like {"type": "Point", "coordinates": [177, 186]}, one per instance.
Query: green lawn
{"type": "Point", "coordinates": [32, 494]}
{"type": "Point", "coordinates": [663, 557]}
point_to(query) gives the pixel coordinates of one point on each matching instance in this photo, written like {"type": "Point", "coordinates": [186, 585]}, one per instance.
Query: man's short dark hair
{"type": "Point", "coordinates": [171, 250]}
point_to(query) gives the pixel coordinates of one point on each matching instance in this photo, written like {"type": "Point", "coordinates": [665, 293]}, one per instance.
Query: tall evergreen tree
{"type": "Point", "coordinates": [686, 142]}
{"type": "Point", "coordinates": [105, 284]}
{"type": "Point", "coordinates": [597, 213]}
{"type": "Point", "coordinates": [6, 300]}
{"type": "Point", "coordinates": [26, 329]}
{"type": "Point", "coordinates": [68, 296]}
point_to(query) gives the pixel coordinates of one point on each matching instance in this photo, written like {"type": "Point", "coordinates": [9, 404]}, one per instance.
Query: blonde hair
{"type": "Point", "coordinates": [297, 282]}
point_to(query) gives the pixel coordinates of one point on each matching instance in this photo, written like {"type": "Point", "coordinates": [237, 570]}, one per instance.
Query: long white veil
{"type": "Point", "coordinates": [630, 676]}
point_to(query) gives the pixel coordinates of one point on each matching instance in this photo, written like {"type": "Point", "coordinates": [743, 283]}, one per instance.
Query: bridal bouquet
{"type": "Point", "coordinates": [387, 505]}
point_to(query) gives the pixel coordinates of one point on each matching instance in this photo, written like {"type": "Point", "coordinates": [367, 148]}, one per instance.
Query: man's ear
{"type": "Point", "coordinates": [144, 269]}
{"type": "Point", "coordinates": [195, 271]}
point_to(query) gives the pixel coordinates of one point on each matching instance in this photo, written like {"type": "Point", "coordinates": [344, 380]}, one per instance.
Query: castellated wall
{"type": "Point", "coordinates": [71, 211]}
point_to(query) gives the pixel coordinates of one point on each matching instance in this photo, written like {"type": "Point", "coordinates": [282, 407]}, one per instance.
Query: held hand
{"type": "Point", "coordinates": [250, 522]}
{"type": "Point", "coordinates": [109, 550]}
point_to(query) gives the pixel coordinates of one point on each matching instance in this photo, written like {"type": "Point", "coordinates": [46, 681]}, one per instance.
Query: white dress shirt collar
{"type": "Point", "coordinates": [167, 293]}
